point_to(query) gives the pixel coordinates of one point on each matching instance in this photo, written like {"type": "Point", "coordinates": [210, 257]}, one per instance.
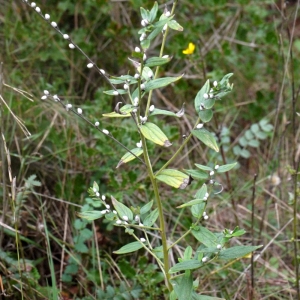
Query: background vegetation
{"type": "Point", "coordinates": [52, 168]}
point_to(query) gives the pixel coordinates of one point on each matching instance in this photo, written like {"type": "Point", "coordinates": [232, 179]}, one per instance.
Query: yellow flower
{"type": "Point", "coordinates": [190, 49]}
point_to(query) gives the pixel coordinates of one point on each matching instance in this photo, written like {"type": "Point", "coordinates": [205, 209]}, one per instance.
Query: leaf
{"type": "Point", "coordinates": [129, 156]}
{"type": "Point", "coordinates": [160, 82]}
{"type": "Point", "coordinates": [112, 92]}
{"type": "Point", "coordinates": [204, 297]}
{"type": "Point", "coordinates": [95, 186]}
{"type": "Point", "coordinates": [254, 143]}
{"type": "Point", "coordinates": [205, 115]}
{"type": "Point", "coordinates": [175, 25]}
{"type": "Point", "coordinates": [153, 12]}
{"type": "Point", "coordinates": [226, 168]}
{"type": "Point", "coordinates": [131, 247]}
{"type": "Point", "coordinates": [188, 253]}
{"type": "Point", "coordinates": [91, 215]}
{"type": "Point", "coordinates": [205, 236]}
{"type": "Point", "coordinates": [122, 209]}
{"type": "Point", "coordinates": [197, 174]}
{"type": "Point", "coordinates": [254, 128]}
{"type": "Point", "coordinates": [245, 153]}
{"type": "Point", "coordinates": [237, 252]}
{"type": "Point", "coordinates": [190, 203]}
{"type": "Point", "coordinates": [157, 61]}
{"type": "Point", "coordinates": [153, 133]}
{"type": "Point", "coordinates": [261, 135]}
{"type": "Point", "coordinates": [199, 100]}
{"type": "Point", "coordinates": [124, 111]}
{"type": "Point", "coordinates": [225, 79]}
{"type": "Point", "coordinates": [174, 178]}
{"type": "Point", "coordinates": [198, 209]}
{"type": "Point", "coordinates": [184, 289]}
{"type": "Point", "coordinates": [206, 138]}
{"type": "Point", "coordinates": [205, 168]}
{"type": "Point", "coordinates": [146, 207]}
{"type": "Point", "coordinates": [201, 193]}
{"type": "Point", "coordinates": [191, 264]}
{"type": "Point", "coordinates": [151, 218]}
{"type": "Point", "coordinates": [145, 14]}
{"type": "Point", "coordinates": [157, 111]}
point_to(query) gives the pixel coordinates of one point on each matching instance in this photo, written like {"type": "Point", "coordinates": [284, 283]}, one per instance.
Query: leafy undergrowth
{"type": "Point", "coordinates": [46, 249]}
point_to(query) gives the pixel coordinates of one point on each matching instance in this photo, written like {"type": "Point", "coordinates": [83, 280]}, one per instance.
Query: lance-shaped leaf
{"type": "Point", "coordinates": [199, 100]}
{"type": "Point", "coordinates": [237, 252]}
{"type": "Point", "coordinates": [226, 168]}
{"type": "Point", "coordinates": [146, 207]}
{"type": "Point", "coordinates": [186, 265]}
{"type": "Point", "coordinates": [206, 137]}
{"type": "Point", "coordinates": [157, 61]}
{"type": "Point", "coordinates": [175, 25]}
{"type": "Point", "coordinates": [151, 218]}
{"type": "Point", "coordinates": [91, 215]}
{"type": "Point", "coordinates": [131, 247]}
{"type": "Point", "coordinates": [122, 209]}
{"type": "Point", "coordinates": [153, 12]}
{"type": "Point", "coordinates": [202, 167]}
{"type": "Point", "coordinates": [130, 156]}
{"type": "Point", "coordinates": [205, 236]}
{"type": "Point", "coordinates": [158, 111]}
{"type": "Point", "coordinates": [113, 92]}
{"type": "Point", "coordinates": [174, 178]}
{"type": "Point", "coordinates": [197, 174]}
{"type": "Point", "coordinates": [153, 133]}
{"type": "Point", "coordinates": [185, 289]}
{"type": "Point", "coordinates": [205, 115]}
{"type": "Point", "coordinates": [190, 203]}
{"type": "Point", "coordinates": [122, 112]}
{"type": "Point", "coordinates": [198, 209]}
{"type": "Point", "coordinates": [160, 82]}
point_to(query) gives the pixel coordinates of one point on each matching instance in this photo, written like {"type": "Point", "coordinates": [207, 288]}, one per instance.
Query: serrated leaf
{"type": "Point", "coordinates": [237, 252]}
{"type": "Point", "coordinates": [122, 209]}
{"type": "Point", "coordinates": [111, 92]}
{"type": "Point", "coordinates": [160, 82]}
{"type": "Point", "coordinates": [186, 265]}
{"type": "Point", "coordinates": [199, 100]}
{"type": "Point", "coordinates": [174, 178]}
{"type": "Point", "coordinates": [131, 247]}
{"type": "Point", "coordinates": [153, 133]}
{"type": "Point", "coordinates": [197, 174]}
{"type": "Point", "coordinates": [151, 218]}
{"type": "Point", "coordinates": [157, 61]}
{"type": "Point", "coordinates": [226, 168]}
{"type": "Point", "coordinates": [129, 156]}
{"type": "Point", "coordinates": [190, 203]}
{"type": "Point", "coordinates": [146, 207]}
{"type": "Point", "coordinates": [205, 115]}
{"type": "Point", "coordinates": [175, 25]}
{"type": "Point", "coordinates": [90, 215]}
{"type": "Point", "coordinates": [205, 236]}
{"type": "Point", "coordinates": [206, 138]}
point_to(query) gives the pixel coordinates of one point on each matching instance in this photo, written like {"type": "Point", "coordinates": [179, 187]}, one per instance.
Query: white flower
{"type": "Point", "coordinates": [199, 126]}
{"type": "Point", "coordinates": [134, 110]}
{"type": "Point", "coordinates": [37, 9]}
{"type": "Point", "coordinates": [115, 212]}
{"type": "Point", "coordinates": [231, 231]}
{"type": "Point", "coordinates": [90, 65]}
{"type": "Point", "coordinates": [46, 92]}
{"type": "Point", "coordinates": [217, 167]}
{"type": "Point", "coordinates": [137, 49]}
{"type": "Point", "coordinates": [79, 110]}
{"type": "Point", "coordinates": [205, 259]}
{"type": "Point", "coordinates": [150, 74]}
{"type": "Point", "coordinates": [105, 131]}
{"type": "Point", "coordinates": [118, 222]}
{"type": "Point", "coordinates": [165, 56]}
{"type": "Point", "coordinates": [151, 108]}
{"type": "Point", "coordinates": [141, 224]}
{"type": "Point", "coordinates": [167, 14]}
{"type": "Point", "coordinates": [97, 123]}
{"type": "Point", "coordinates": [142, 86]}
{"type": "Point", "coordinates": [125, 218]}
{"type": "Point", "coordinates": [136, 218]}
{"type": "Point", "coordinates": [205, 96]}
{"type": "Point", "coordinates": [55, 97]}
{"type": "Point", "coordinates": [66, 36]}
{"type": "Point", "coordinates": [54, 24]}
{"type": "Point", "coordinates": [116, 93]}
{"type": "Point", "coordinates": [33, 4]}
{"type": "Point", "coordinates": [143, 36]}
{"type": "Point", "coordinates": [211, 95]}
{"type": "Point", "coordinates": [205, 217]}
{"type": "Point", "coordinates": [102, 71]}
{"type": "Point", "coordinates": [142, 240]}
{"type": "Point", "coordinates": [143, 119]}
{"type": "Point", "coordinates": [136, 76]}
{"type": "Point", "coordinates": [71, 46]}
{"type": "Point", "coordinates": [204, 198]}
{"type": "Point", "coordinates": [103, 212]}
{"type": "Point", "coordinates": [165, 27]}
{"type": "Point", "coordinates": [206, 194]}
{"type": "Point", "coordinates": [126, 86]}
{"type": "Point", "coordinates": [144, 56]}
{"type": "Point", "coordinates": [47, 16]}
{"type": "Point", "coordinates": [139, 144]}
{"type": "Point", "coordinates": [204, 213]}
{"type": "Point", "coordinates": [44, 97]}
{"type": "Point", "coordinates": [97, 194]}
{"type": "Point", "coordinates": [107, 206]}
{"type": "Point", "coordinates": [144, 22]}
{"type": "Point", "coordinates": [211, 173]}
{"type": "Point", "coordinates": [215, 83]}
{"type": "Point", "coordinates": [94, 190]}
{"type": "Point", "coordinates": [136, 101]}
{"type": "Point", "coordinates": [219, 246]}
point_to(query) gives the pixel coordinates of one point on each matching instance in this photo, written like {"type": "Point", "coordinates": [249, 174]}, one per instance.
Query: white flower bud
{"type": "Point", "coordinates": [97, 124]}
{"type": "Point", "coordinates": [125, 218]}
{"type": "Point", "coordinates": [66, 36]}
{"type": "Point", "coordinates": [105, 131]}
{"type": "Point", "coordinates": [47, 16]}
{"type": "Point", "coordinates": [125, 223]}
{"type": "Point", "coordinates": [199, 126]}
{"type": "Point", "coordinates": [33, 4]}
{"type": "Point", "coordinates": [205, 259]}
{"type": "Point", "coordinates": [116, 93]}
{"type": "Point", "coordinates": [167, 14]}
{"type": "Point", "coordinates": [102, 71]}
{"type": "Point", "coordinates": [137, 49]}
{"type": "Point", "coordinates": [142, 240]}
{"type": "Point", "coordinates": [219, 246]}
{"type": "Point", "coordinates": [205, 217]}
{"type": "Point", "coordinates": [204, 198]}
{"type": "Point", "coordinates": [136, 101]}
{"type": "Point", "coordinates": [103, 197]}
{"type": "Point", "coordinates": [215, 83]}
{"type": "Point", "coordinates": [211, 181]}
{"type": "Point", "coordinates": [44, 97]}
{"type": "Point", "coordinates": [205, 96]}
{"type": "Point", "coordinates": [103, 212]}
{"type": "Point", "coordinates": [46, 92]}
{"type": "Point", "coordinates": [150, 74]}
{"type": "Point", "coordinates": [118, 222]}
{"type": "Point", "coordinates": [204, 214]}
{"type": "Point", "coordinates": [79, 110]}
{"type": "Point", "coordinates": [141, 224]}
{"type": "Point", "coordinates": [134, 110]}
{"type": "Point", "coordinates": [71, 46]}
{"type": "Point", "coordinates": [142, 86]}
{"type": "Point", "coordinates": [143, 36]}
{"type": "Point", "coordinates": [107, 206]}
{"type": "Point", "coordinates": [231, 231]}
{"type": "Point", "coordinates": [217, 167]}
{"type": "Point", "coordinates": [211, 95]}
{"type": "Point", "coordinates": [144, 22]}
{"type": "Point", "coordinates": [54, 24]}
{"type": "Point", "coordinates": [151, 108]}
{"type": "Point", "coordinates": [137, 218]}
{"type": "Point", "coordinates": [90, 65]}
{"type": "Point", "coordinates": [125, 86]}
{"type": "Point", "coordinates": [37, 9]}
{"type": "Point", "coordinates": [136, 76]}
{"type": "Point", "coordinates": [206, 194]}
{"type": "Point", "coordinates": [211, 173]}
{"type": "Point", "coordinates": [165, 27]}
{"type": "Point", "coordinates": [115, 212]}
{"type": "Point", "coordinates": [139, 144]}
{"type": "Point", "coordinates": [165, 56]}
{"type": "Point", "coordinates": [55, 97]}
{"type": "Point", "coordinates": [94, 190]}
{"type": "Point", "coordinates": [144, 56]}
{"type": "Point", "coordinates": [97, 194]}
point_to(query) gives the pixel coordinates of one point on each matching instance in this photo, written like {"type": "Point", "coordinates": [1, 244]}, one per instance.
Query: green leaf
{"type": "Point", "coordinates": [205, 115]}
{"type": "Point", "coordinates": [145, 44]}
{"type": "Point", "coordinates": [157, 61]}
{"type": "Point", "coordinates": [190, 203]}
{"type": "Point", "coordinates": [184, 289]}
{"type": "Point", "coordinates": [209, 103]}
{"type": "Point", "coordinates": [199, 100]}
{"type": "Point", "coordinates": [146, 207]}
{"type": "Point", "coordinates": [254, 143]}
{"type": "Point", "coordinates": [153, 12]}
{"type": "Point", "coordinates": [111, 92]}
{"type": "Point", "coordinates": [151, 218]}
{"type": "Point", "coordinates": [153, 133]}
{"type": "Point", "coordinates": [237, 252]}
{"type": "Point", "coordinates": [129, 156]}
{"type": "Point", "coordinates": [226, 168]}
{"type": "Point", "coordinates": [205, 168]}
{"type": "Point", "coordinates": [175, 25]}
{"type": "Point", "coordinates": [186, 265]}
{"type": "Point", "coordinates": [188, 253]}
{"type": "Point", "coordinates": [157, 111]}
{"type": "Point", "coordinates": [206, 237]}
{"type": "Point", "coordinates": [254, 128]}
{"type": "Point", "coordinates": [249, 135]}
{"type": "Point", "coordinates": [225, 79]}
{"type": "Point", "coordinates": [201, 193]}
{"type": "Point", "coordinates": [91, 215]}
{"type": "Point", "coordinates": [197, 174]}
{"type": "Point", "coordinates": [206, 137]}
{"type": "Point", "coordinates": [123, 112]}
{"type": "Point", "coordinates": [198, 209]}
{"type": "Point", "coordinates": [245, 153]}
{"type": "Point", "coordinates": [261, 135]}
{"type": "Point", "coordinates": [145, 14]}
{"type": "Point", "coordinates": [160, 82]}
{"type": "Point", "coordinates": [204, 297]}
{"type": "Point", "coordinates": [174, 178]}
{"type": "Point", "coordinates": [131, 247]}
{"type": "Point", "coordinates": [243, 141]}
{"type": "Point", "coordinates": [122, 209]}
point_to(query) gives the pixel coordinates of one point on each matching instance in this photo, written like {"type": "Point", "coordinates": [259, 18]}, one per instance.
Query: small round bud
{"type": "Point", "coordinates": [105, 131]}
{"type": "Point", "coordinates": [167, 14]}
{"type": "Point", "coordinates": [204, 198]}
{"type": "Point", "coordinates": [211, 173]}
{"type": "Point", "coordinates": [205, 259]}
{"type": "Point", "coordinates": [103, 197]}
{"type": "Point", "coordinates": [165, 27]}
{"type": "Point", "coordinates": [199, 126]}
{"type": "Point", "coordinates": [47, 16]}
{"type": "Point", "coordinates": [44, 97]}
{"type": "Point", "coordinates": [37, 9]}
{"type": "Point", "coordinates": [55, 97]}
{"type": "Point", "coordinates": [165, 56]}
{"type": "Point", "coordinates": [94, 190]}
{"type": "Point", "coordinates": [54, 24]}
{"type": "Point", "coordinates": [211, 95]}
{"type": "Point", "coordinates": [79, 110]}
{"type": "Point", "coordinates": [125, 218]}
{"type": "Point", "coordinates": [205, 96]}
{"type": "Point", "coordinates": [115, 93]}
{"type": "Point", "coordinates": [139, 144]}
{"type": "Point", "coordinates": [136, 101]}
{"type": "Point", "coordinates": [142, 240]}
{"type": "Point", "coordinates": [103, 212]}
{"type": "Point", "coordinates": [102, 71]}
{"type": "Point", "coordinates": [144, 56]}
{"type": "Point", "coordinates": [231, 231]}
{"type": "Point", "coordinates": [119, 222]}
{"type": "Point", "coordinates": [136, 76]}
{"type": "Point", "coordinates": [97, 194]}
{"type": "Point", "coordinates": [137, 49]}
{"type": "Point", "coordinates": [143, 36]}
{"type": "Point", "coordinates": [107, 206]}
{"type": "Point", "coordinates": [46, 92]}
{"type": "Point", "coordinates": [71, 46]}
{"type": "Point", "coordinates": [206, 194]}
{"type": "Point", "coordinates": [219, 246]}
{"type": "Point", "coordinates": [90, 65]}
{"type": "Point", "coordinates": [215, 83]}
{"type": "Point", "coordinates": [204, 214]}
{"type": "Point", "coordinates": [151, 108]}
{"type": "Point", "coordinates": [150, 74]}
{"type": "Point", "coordinates": [125, 86]}
{"type": "Point", "coordinates": [142, 86]}
{"type": "Point", "coordinates": [33, 4]}
{"type": "Point", "coordinates": [144, 22]}
{"type": "Point", "coordinates": [217, 167]}
{"type": "Point", "coordinates": [141, 224]}
{"type": "Point", "coordinates": [66, 36]}
{"type": "Point", "coordinates": [205, 217]}
{"type": "Point", "coordinates": [97, 123]}
{"type": "Point", "coordinates": [115, 212]}
{"type": "Point", "coordinates": [134, 110]}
